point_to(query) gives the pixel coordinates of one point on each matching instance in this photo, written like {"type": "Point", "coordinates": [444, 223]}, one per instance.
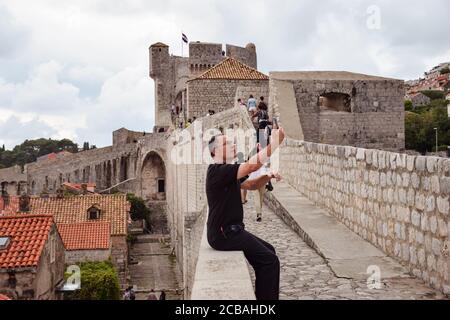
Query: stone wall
{"type": "Point", "coordinates": [194, 228]}
{"type": "Point", "coordinates": [119, 257]}
{"type": "Point", "coordinates": [50, 273]}
{"type": "Point", "coordinates": [375, 118]}
{"type": "Point", "coordinates": [217, 95]}
{"type": "Point", "coordinates": [246, 55]}
{"type": "Point", "coordinates": [13, 181]}
{"type": "Point", "coordinates": [257, 92]}
{"type": "Point", "coordinates": [12, 174]}
{"type": "Point", "coordinates": [171, 72]}
{"type": "Point", "coordinates": [104, 166]}
{"type": "Point", "coordinates": [397, 202]}
{"type": "Point", "coordinates": [124, 136]}
{"type": "Point", "coordinates": [77, 256]}
{"type": "Point", "coordinates": [158, 216]}
{"type": "Point", "coordinates": [205, 53]}
{"type": "Point", "coordinates": [25, 281]}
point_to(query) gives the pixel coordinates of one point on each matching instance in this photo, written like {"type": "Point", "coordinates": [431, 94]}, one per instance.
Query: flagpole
{"type": "Point", "coordinates": [182, 43]}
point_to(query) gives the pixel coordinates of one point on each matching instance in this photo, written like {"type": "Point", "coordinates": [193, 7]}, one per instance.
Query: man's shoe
{"type": "Point", "coordinates": [258, 218]}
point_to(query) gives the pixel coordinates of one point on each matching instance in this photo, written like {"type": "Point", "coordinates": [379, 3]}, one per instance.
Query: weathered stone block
{"type": "Point", "coordinates": [421, 163]}
{"type": "Point", "coordinates": [443, 205]}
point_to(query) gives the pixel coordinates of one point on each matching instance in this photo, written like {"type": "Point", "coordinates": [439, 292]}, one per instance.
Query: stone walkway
{"type": "Point", "coordinates": [155, 268]}
{"type": "Point", "coordinates": [306, 276]}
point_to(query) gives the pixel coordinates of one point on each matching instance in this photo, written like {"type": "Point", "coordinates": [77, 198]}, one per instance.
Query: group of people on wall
{"type": "Point", "coordinates": [259, 113]}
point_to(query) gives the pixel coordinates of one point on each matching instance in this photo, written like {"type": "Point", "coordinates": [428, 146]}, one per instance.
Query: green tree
{"type": "Point", "coordinates": [138, 210]}
{"type": "Point", "coordinates": [445, 70]}
{"type": "Point", "coordinates": [30, 150]}
{"type": "Point", "coordinates": [409, 105]}
{"type": "Point", "coordinates": [413, 128]}
{"type": "Point", "coordinates": [434, 94]}
{"type": "Point", "coordinates": [99, 281]}
{"type": "Point", "coordinates": [419, 127]}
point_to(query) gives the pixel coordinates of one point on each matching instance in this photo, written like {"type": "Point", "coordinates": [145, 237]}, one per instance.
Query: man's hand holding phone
{"type": "Point", "coordinates": [277, 137]}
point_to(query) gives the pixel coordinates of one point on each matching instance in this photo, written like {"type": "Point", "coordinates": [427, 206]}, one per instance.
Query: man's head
{"type": "Point", "coordinates": [251, 96]}
{"type": "Point", "coordinates": [262, 98]}
{"type": "Point", "coordinates": [222, 150]}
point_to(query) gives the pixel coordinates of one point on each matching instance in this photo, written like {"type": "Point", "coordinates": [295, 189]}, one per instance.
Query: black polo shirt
{"type": "Point", "coordinates": [223, 191]}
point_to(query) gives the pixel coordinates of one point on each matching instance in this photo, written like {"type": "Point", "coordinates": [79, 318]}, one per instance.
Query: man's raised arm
{"type": "Point", "coordinates": [258, 160]}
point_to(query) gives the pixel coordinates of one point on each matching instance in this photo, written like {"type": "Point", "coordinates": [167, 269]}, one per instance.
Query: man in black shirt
{"type": "Point", "coordinates": [225, 227]}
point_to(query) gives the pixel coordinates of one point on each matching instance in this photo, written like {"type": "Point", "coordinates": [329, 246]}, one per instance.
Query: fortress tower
{"type": "Point", "coordinates": [171, 73]}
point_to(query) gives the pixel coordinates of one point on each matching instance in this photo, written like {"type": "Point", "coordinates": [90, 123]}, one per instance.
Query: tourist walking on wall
{"type": "Point", "coordinates": [225, 227]}
{"type": "Point", "coordinates": [126, 294]}
{"type": "Point", "coordinates": [259, 193]}
{"type": "Point", "coordinates": [129, 294]}
{"type": "Point", "coordinates": [251, 104]}
{"type": "Point", "coordinates": [262, 116]}
{"type": "Point", "coordinates": [262, 104]}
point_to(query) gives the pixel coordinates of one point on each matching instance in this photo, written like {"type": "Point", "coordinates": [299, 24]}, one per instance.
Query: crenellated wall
{"type": "Point", "coordinates": [397, 202]}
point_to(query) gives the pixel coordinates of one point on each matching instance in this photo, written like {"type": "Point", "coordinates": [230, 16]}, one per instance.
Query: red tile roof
{"type": "Point", "coordinates": [232, 69]}
{"type": "Point", "coordinates": [11, 207]}
{"type": "Point", "coordinates": [3, 297]}
{"type": "Point", "coordinates": [85, 236]}
{"type": "Point", "coordinates": [90, 187]}
{"type": "Point", "coordinates": [28, 235]}
{"type": "Point", "coordinates": [73, 209]}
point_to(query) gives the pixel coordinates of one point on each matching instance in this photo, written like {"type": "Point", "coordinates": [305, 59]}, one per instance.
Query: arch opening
{"type": "Point", "coordinates": [153, 177]}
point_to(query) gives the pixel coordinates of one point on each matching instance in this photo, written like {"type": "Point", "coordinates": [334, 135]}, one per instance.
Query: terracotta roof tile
{"type": "Point", "coordinates": [28, 235]}
{"type": "Point", "coordinates": [3, 297]}
{"type": "Point", "coordinates": [85, 236]}
{"type": "Point", "coordinates": [90, 187]}
{"type": "Point", "coordinates": [9, 208]}
{"type": "Point", "coordinates": [232, 69]}
{"type": "Point", "coordinates": [73, 209]}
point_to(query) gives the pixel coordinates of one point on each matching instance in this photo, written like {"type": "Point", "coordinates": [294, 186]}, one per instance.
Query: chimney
{"type": "Point", "coordinates": [44, 194]}
{"type": "Point", "coordinates": [24, 203]}
{"type": "Point", "coordinates": [84, 189]}
{"type": "Point", "coordinates": [60, 193]}
{"type": "Point", "coordinates": [5, 198]}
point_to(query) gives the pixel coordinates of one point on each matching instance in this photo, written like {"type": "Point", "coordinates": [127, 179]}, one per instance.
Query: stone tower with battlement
{"type": "Point", "coordinates": [171, 72]}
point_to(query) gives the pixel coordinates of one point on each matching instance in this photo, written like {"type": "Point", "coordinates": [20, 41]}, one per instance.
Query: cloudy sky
{"type": "Point", "coordinates": [79, 69]}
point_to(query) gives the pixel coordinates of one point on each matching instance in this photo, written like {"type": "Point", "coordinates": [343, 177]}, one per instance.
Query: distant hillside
{"type": "Point", "coordinates": [30, 150]}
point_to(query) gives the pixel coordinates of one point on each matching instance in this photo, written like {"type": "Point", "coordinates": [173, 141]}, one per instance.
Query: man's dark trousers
{"type": "Point", "coordinates": [261, 255]}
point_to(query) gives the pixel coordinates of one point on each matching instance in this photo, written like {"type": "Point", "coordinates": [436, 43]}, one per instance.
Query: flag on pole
{"type": "Point", "coordinates": [184, 38]}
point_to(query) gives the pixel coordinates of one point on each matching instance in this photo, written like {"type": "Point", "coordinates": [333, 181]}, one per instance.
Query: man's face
{"type": "Point", "coordinates": [225, 149]}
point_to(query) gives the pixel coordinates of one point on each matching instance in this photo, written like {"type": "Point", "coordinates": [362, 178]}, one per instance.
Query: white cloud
{"type": "Point", "coordinates": [79, 69]}
{"type": "Point", "coordinates": [15, 130]}
{"type": "Point", "coordinates": [125, 100]}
